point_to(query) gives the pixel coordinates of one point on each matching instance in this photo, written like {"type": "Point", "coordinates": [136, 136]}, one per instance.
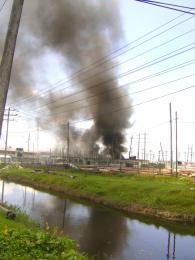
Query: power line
{"type": "Point", "coordinates": [170, 69]}
{"type": "Point", "coordinates": [46, 130]}
{"type": "Point", "coordinates": [104, 60]}
{"type": "Point", "coordinates": [133, 93]}
{"type": "Point", "coordinates": [138, 104]}
{"type": "Point", "coordinates": [160, 4]}
{"type": "Point", "coordinates": [136, 69]}
{"type": "Point", "coordinates": [122, 63]}
{"type": "Point", "coordinates": [182, 6]}
{"type": "Point", "coordinates": [2, 6]}
{"type": "Point", "coordinates": [186, 122]}
{"type": "Point", "coordinates": [155, 126]}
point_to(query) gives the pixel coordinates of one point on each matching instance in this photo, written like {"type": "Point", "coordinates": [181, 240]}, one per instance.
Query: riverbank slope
{"type": "Point", "coordinates": [170, 198]}
{"type": "Point", "coordinates": [22, 239]}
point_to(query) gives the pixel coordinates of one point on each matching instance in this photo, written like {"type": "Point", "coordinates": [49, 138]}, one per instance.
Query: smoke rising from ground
{"type": "Point", "coordinates": [80, 32]}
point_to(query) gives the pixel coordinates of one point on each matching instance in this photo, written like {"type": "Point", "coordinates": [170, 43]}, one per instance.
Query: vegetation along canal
{"type": "Point", "coordinates": [103, 233]}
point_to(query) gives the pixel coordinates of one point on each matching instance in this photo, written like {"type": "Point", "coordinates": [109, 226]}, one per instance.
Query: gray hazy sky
{"type": "Point", "coordinates": [153, 117]}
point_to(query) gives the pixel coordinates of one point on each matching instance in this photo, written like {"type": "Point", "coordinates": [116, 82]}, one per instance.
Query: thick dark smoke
{"type": "Point", "coordinates": [80, 32]}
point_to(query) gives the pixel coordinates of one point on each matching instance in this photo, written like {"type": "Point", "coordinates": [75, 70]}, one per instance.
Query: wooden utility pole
{"type": "Point", "coordinates": [176, 156]}
{"type": "Point", "coordinates": [171, 140]}
{"type": "Point", "coordinates": [8, 54]}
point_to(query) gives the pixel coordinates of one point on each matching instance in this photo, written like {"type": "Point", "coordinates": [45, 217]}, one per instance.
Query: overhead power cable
{"type": "Point", "coordinates": [181, 6]}
{"type": "Point", "coordinates": [150, 76]}
{"type": "Point", "coordinates": [158, 60]}
{"type": "Point", "coordinates": [138, 104]}
{"type": "Point", "coordinates": [31, 99]}
{"type": "Point", "coordinates": [125, 95]}
{"type": "Point", "coordinates": [135, 105]}
{"type": "Point", "coordinates": [55, 127]}
{"type": "Point", "coordinates": [103, 60]}
{"type": "Point", "coordinates": [2, 6]}
{"type": "Point", "coordinates": [168, 6]}
{"type": "Point", "coordinates": [186, 122]}
{"type": "Point", "coordinates": [121, 96]}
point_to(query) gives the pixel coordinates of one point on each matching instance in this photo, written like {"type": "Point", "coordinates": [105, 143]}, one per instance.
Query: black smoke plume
{"type": "Point", "coordinates": [79, 32]}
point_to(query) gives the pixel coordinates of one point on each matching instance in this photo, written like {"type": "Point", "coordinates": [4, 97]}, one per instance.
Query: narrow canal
{"type": "Point", "coordinates": [103, 233]}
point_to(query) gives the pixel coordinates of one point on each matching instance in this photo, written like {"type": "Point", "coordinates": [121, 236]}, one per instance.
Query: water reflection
{"type": "Point", "coordinates": [105, 234]}
{"type": "Point", "coordinates": [98, 232]}
{"type": "Point", "coordinates": [102, 233]}
{"type": "Point", "coordinates": [2, 191]}
{"type": "Point", "coordinates": [171, 255]}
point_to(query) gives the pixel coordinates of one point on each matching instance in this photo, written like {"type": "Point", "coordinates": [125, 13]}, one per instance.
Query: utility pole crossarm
{"type": "Point", "coordinates": [8, 54]}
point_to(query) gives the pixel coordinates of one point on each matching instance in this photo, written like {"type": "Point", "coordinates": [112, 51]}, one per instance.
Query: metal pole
{"type": "Point", "coordinates": [2, 192]}
{"type": "Point", "coordinates": [8, 55]}
{"type": "Point", "coordinates": [187, 159]}
{"type": "Point", "coordinates": [176, 148]}
{"type": "Point", "coordinates": [50, 156]}
{"type": "Point", "coordinates": [174, 246]}
{"type": "Point", "coordinates": [68, 141]}
{"type": "Point", "coordinates": [191, 154]}
{"type": "Point", "coordinates": [171, 140]}
{"type": "Point", "coordinates": [150, 153]}
{"type": "Point", "coordinates": [168, 246]}
{"type": "Point", "coordinates": [38, 141]}
{"type": "Point", "coordinates": [28, 142]}
{"type": "Point", "coordinates": [64, 214]}
{"type": "Point", "coordinates": [162, 152]}
{"type": "Point", "coordinates": [158, 156]}
{"type": "Point", "coordinates": [33, 153]}
{"type": "Point", "coordinates": [130, 151]}
{"type": "Point", "coordinates": [144, 147]}
{"type": "Point", "coordinates": [138, 147]}
{"type": "Point", "coordinates": [113, 142]}
{"type": "Point", "coordinates": [7, 130]}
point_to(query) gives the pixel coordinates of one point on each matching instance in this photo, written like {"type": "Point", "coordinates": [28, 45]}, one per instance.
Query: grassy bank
{"type": "Point", "coordinates": [21, 239]}
{"type": "Point", "coordinates": [165, 197]}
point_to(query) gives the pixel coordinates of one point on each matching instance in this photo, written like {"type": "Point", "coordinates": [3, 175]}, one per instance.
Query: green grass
{"type": "Point", "coordinates": [22, 239]}
{"type": "Point", "coordinates": [170, 194]}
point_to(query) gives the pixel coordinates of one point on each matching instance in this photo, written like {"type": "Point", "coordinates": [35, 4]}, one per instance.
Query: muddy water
{"type": "Point", "coordinates": [103, 233]}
